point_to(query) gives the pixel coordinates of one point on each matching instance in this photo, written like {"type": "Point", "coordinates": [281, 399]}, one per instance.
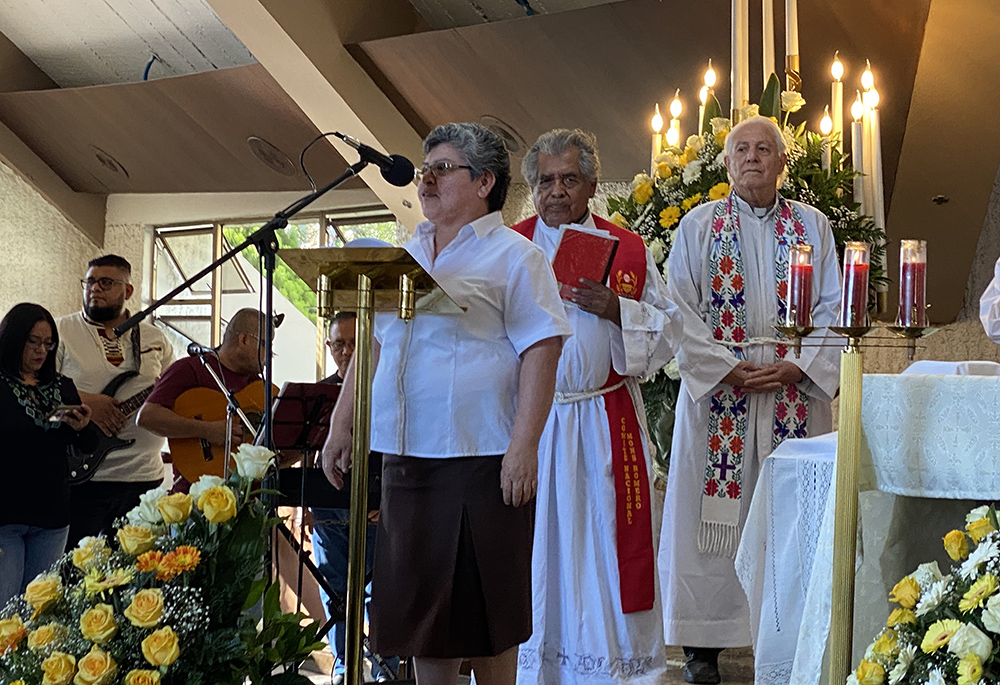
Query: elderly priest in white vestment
{"type": "Point", "coordinates": [596, 610]}
{"type": "Point", "coordinates": [740, 396]}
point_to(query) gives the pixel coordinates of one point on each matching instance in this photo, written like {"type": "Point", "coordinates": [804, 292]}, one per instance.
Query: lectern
{"type": "Point", "coordinates": [366, 279]}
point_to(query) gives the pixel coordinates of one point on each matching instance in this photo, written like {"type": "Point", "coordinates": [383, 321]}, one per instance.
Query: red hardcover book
{"type": "Point", "coordinates": [582, 253]}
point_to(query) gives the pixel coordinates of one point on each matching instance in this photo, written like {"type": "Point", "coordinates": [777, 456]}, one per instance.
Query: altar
{"type": "Point", "coordinates": [930, 449]}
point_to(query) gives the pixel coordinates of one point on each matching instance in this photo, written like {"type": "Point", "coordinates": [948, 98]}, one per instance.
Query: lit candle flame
{"type": "Point", "coordinates": [675, 105]}
{"type": "Point", "coordinates": [858, 108]}
{"type": "Point", "coordinates": [657, 121]}
{"type": "Point", "coordinates": [703, 94]}
{"type": "Point", "coordinates": [867, 78]}
{"type": "Point", "coordinates": [826, 123]}
{"type": "Point", "coordinates": [837, 68]}
{"type": "Point", "coordinates": [873, 99]}
{"type": "Point", "coordinates": [710, 75]}
{"type": "Point", "coordinates": [673, 137]}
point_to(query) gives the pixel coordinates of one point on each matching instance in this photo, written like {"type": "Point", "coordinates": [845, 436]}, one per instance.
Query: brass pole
{"type": "Point", "coordinates": [407, 297]}
{"type": "Point", "coordinates": [845, 528]}
{"type": "Point", "coordinates": [354, 662]}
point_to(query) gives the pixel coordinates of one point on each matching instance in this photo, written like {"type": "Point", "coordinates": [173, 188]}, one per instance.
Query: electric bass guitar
{"type": "Point", "coordinates": [196, 457]}
{"type": "Point", "coordinates": [83, 465]}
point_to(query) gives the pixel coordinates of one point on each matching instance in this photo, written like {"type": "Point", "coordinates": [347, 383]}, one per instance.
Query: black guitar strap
{"type": "Point", "coordinates": [136, 348]}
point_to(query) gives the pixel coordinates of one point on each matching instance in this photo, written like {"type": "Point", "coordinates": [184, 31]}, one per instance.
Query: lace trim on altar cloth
{"type": "Point", "coordinates": [813, 479]}
{"type": "Point", "coordinates": [773, 674]}
{"type": "Point", "coordinates": [620, 668]}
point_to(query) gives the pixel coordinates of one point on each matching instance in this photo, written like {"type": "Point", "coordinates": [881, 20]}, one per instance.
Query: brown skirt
{"type": "Point", "coordinates": [452, 571]}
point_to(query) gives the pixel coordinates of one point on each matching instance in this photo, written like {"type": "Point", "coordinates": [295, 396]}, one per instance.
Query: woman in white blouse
{"type": "Point", "coordinates": [458, 405]}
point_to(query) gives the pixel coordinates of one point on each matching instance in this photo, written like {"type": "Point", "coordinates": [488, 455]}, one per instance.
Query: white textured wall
{"type": "Point", "coordinates": [44, 255]}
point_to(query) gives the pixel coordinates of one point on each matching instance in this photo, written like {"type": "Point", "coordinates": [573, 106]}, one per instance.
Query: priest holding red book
{"type": "Point", "coordinates": [595, 595]}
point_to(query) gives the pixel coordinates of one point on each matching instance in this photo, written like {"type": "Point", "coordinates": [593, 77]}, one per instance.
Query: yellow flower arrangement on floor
{"type": "Point", "coordinates": [164, 601]}
{"type": "Point", "coordinates": [946, 630]}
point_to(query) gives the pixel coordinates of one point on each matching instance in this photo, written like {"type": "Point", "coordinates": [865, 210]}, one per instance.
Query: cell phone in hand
{"type": "Point", "coordinates": [65, 411]}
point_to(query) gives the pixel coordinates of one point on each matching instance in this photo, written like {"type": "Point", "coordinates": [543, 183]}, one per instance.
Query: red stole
{"type": "Point", "coordinates": [632, 496]}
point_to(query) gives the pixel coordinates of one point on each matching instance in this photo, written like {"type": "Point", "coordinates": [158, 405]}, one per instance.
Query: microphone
{"type": "Point", "coordinates": [396, 169]}
{"type": "Point", "coordinates": [196, 350]}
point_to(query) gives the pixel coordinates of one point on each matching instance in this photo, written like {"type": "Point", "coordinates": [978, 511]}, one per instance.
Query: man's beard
{"type": "Point", "coordinates": [102, 314]}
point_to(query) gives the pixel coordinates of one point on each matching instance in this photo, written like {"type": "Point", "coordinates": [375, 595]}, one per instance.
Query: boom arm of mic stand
{"type": "Point", "coordinates": [264, 233]}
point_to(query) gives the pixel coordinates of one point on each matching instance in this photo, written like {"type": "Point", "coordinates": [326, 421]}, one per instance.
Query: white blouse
{"type": "Point", "coordinates": [446, 384]}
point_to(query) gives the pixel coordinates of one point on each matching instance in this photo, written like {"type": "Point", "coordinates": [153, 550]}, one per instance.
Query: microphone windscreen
{"type": "Point", "coordinates": [401, 173]}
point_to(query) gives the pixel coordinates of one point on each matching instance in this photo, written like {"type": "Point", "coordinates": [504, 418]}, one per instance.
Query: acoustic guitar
{"type": "Point", "coordinates": [83, 465]}
{"type": "Point", "coordinates": [196, 457]}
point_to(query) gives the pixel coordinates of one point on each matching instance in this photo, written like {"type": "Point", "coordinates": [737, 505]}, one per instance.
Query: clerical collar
{"type": "Point", "coordinates": [759, 212]}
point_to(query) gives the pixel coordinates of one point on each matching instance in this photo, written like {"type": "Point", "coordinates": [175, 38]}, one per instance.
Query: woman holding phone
{"type": "Point", "coordinates": [41, 414]}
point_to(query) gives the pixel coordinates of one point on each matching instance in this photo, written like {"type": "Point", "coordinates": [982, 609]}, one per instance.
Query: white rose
{"type": "Point", "coordinates": [936, 677]}
{"type": "Point", "coordinates": [970, 639]}
{"type": "Point", "coordinates": [657, 248]}
{"type": "Point", "coordinates": [692, 172]}
{"type": "Point", "coordinates": [720, 159]}
{"type": "Point", "coordinates": [749, 111]}
{"type": "Point", "coordinates": [252, 461]}
{"type": "Point", "coordinates": [203, 484]}
{"type": "Point", "coordinates": [640, 179]}
{"type": "Point", "coordinates": [695, 142]}
{"type": "Point", "coordinates": [977, 513]}
{"type": "Point", "coordinates": [791, 101]}
{"type": "Point", "coordinates": [148, 511]}
{"type": "Point", "coordinates": [720, 124]}
{"type": "Point", "coordinates": [991, 614]}
{"type": "Point", "coordinates": [672, 370]}
{"type": "Point", "coordinates": [927, 574]}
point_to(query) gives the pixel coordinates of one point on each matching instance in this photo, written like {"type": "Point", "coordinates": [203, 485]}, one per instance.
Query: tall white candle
{"type": "Point", "coordinates": [837, 101]}
{"type": "Point", "coordinates": [657, 125]}
{"type": "Point", "coordinates": [825, 127]}
{"type": "Point", "coordinates": [791, 27]}
{"type": "Point", "coordinates": [740, 57]}
{"type": "Point", "coordinates": [858, 153]}
{"type": "Point", "coordinates": [875, 146]}
{"type": "Point", "coordinates": [767, 12]}
{"type": "Point", "coordinates": [866, 120]}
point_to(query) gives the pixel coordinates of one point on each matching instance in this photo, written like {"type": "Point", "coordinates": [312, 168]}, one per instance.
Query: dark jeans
{"type": "Point", "coordinates": [95, 505]}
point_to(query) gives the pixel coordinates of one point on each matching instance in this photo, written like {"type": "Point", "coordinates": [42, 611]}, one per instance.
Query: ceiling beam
{"type": "Point", "coordinates": [83, 210]}
{"type": "Point", "coordinates": [302, 47]}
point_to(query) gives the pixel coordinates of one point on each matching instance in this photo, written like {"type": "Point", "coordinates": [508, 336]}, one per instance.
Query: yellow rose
{"type": "Point", "coordinates": [939, 634]}
{"type": "Point", "coordinates": [643, 193]}
{"type": "Point", "coordinates": [870, 673]}
{"type": "Point", "coordinates": [905, 593]}
{"type": "Point", "coordinates": [718, 191]}
{"type": "Point", "coordinates": [90, 553]}
{"type": "Point", "coordinates": [669, 216]}
{"type": "Point", "coordinates": [970, 669]}
{"type": "Point", "coordinates": [140, 677]}
{"type": "Point", "coordinates": [978, 593]}
{"type": "Point", "coordinates": [979, 529]}
{"type": "Point", "coordinates": [175, 508]}
{"type": "Point", "coordinates": [663, 170]}
{"type": "Point", "coordinates": [45, 635]}
{"type": "Point", "coordinates": [136, 539]}
{"type": "Point", "coordinates": [886, 644]}
{"type": "Point", "coordinates": [18, 682]}
{"type": "Point", "coordinates": [146, 608]}
{"type": "Point", "coordinates": [98, 623]}
{"type": "Point", "coordinates": [690, 202]}
{"type": "Point", "coordinates": [12, 631]}
{"type": "Point", "coordinates": [42, 592]}
{"type": "Point", "coordinates": [720, 138]}
{"type": "Point", "coordinates": [956, 545]}
{"type": "Point", "coordinates": [160, 648]}
{"type": "Point", "coordinates": [59, 669]}
{"type": "Point", "coordinates": [95, 668]}
{"type": "Point", "coordinates": [900, 617]}
{"type": "Point", "coordinates": [219, 503]}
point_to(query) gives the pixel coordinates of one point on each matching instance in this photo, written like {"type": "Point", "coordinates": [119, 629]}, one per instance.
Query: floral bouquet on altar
{"type": "Point", "coordinates": [946, 629]}
{"type": "Point", "coordinates": [687, 177]}
{"type": "Point", "coordinates": [171, 601]}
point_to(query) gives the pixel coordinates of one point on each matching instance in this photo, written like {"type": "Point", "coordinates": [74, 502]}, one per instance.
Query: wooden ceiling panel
{"type": "Point", "coordinates": [184, 134]}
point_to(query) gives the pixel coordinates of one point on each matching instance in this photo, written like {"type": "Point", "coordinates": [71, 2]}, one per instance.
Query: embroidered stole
{"type": "Point", "coordinates": [633, 504]}
{"type": "Point", "coordinates": [722, 490]}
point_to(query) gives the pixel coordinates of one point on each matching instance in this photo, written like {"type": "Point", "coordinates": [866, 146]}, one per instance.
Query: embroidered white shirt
{"type": "Point", "coordinates": [446, 384]}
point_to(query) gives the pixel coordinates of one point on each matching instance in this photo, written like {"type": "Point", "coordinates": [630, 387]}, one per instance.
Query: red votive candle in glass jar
{"type": "Point", "coordinates": [798, 305]}
{"type": "Point", "coordinates": [913, 283]}
{"type": "Point", "coordinates": [854, 298]}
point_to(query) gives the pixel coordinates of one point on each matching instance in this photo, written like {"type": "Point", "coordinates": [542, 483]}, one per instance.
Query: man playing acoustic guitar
{"type": "Point", "coordinates": [194, 421]}
{"type": "Point", "coordinates": [113, 376]}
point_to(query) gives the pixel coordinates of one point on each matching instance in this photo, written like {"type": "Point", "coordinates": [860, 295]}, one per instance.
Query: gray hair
{"type": "Point", "coordinates": [557, 142]}
{"type": "Point", "coordinates": [772, 128]}
{"type": "Point", "coordinates": [482, 150]}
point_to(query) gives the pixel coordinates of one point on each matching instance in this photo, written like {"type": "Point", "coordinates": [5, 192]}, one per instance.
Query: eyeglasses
{"type": "Point", "coordinates": [569, 181]}
{"type": "Point", "coordinates": [439, 169]}
{"type": "Point", "coordinates": [105, 283]}
{"type": "Point", "coordinates": [340, 345]}
{"type": "Point", "coordinates": [47, 345]}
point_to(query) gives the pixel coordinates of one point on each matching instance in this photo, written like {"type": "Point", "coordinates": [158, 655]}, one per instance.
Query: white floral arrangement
{"type": "Point", "coordinates": [946, 629]}
{"type": "Point", "coordinates": [164, 602]}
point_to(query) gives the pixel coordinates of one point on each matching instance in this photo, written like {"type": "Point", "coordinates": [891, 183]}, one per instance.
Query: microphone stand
{"type": "Point", "coordinates": [266, 242]}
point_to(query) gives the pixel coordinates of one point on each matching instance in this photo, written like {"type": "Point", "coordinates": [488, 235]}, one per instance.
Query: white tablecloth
{"type": "Point", "coordinates": [930, 436]}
